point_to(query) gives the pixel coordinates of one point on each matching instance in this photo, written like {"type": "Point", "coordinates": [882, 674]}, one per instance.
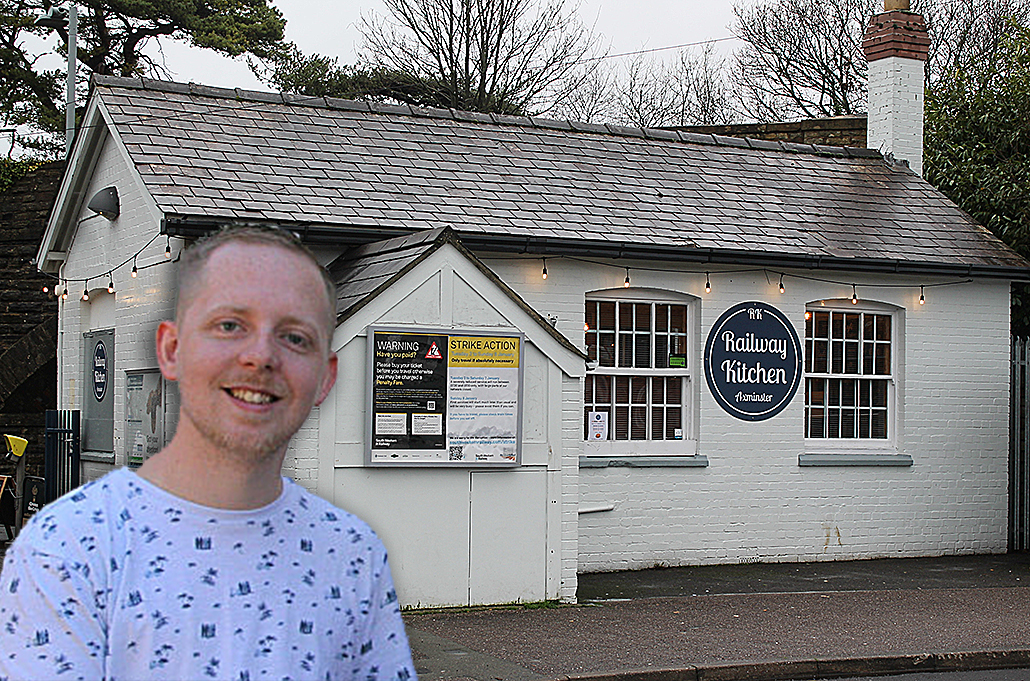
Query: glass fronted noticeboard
{"type": "Point", "coordinates": [444, 398]}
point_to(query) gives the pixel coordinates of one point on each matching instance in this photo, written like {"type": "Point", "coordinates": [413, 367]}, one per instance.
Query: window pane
{"type": "Point", "coordinates": [851, 358]}
{"type": "Point", "coordinates": [602, 389]}
{"type": "Point", "coordinates": [661, 318]}
{"type": "Point", "coordinates": [591, 315]}
{"type": "Point", "coordinates": [820, 361]}
{"type": "Point", "coordinates": [678, 319]}
{"type": "Point", "coordinates": [621, 423]}
{"type": "Point", "coordinates": [657, 423]}
{"type": "Point", "coordinates": [625, 316]}
{"type": "Point", "coordinates": [606, 349]}
{"type": "Point", "coordinates": [834, 393]}
{"type": "Point", "coordinates": [642, 356]}
{"type": "Point", "coordinates": [625, 349]}
{"type": "Point", "coordinates": [847, 423]}
{"type": "Point", "coordinates": [606, 316]}
{"type": "Point", "coordinates": [833, 423]}
{"type": "Point", "coordinates": [837, 363]}
{"type": "Point", "coordinates": [817, 422]}
{"type": "Point", "coordinates": [808, 356]}
{"type": "Point", "coordinates": [816, 391]}
{"type": "Point", "coordinates": [868, 330]}
{"type": "Point", "coordinates": [673, 420]}
{"type": "Point", "coordinates": [638, 423]}
{"type": "Point", "coordinates": [588, 390]}
{"type": "Point", "coordinates": [867, 358]}
{"type": "Point", "coordinates": [883, 327]}
{"type": "Point", "coordinates": [661, 352]}
{"type": "Point", "coordinates": [883, 359]}
{"type": "Point", "coordinates": [622, 390]}
{"type": "Point", "coordinates": [822, 325]}
{"type": "Point", "coordinates": [638, 390]}
{"type": "Point", "coordinates": [643, 317]}
{"type": "Point", "coordinates": [658, 391]}
{"type": "Point", "coordinates": [837, 325]}
{"type": "Point", "coordinates": [848, 390]}
{"type": "Point", "coordinates": [879, 425]}
{"type": "Point", "coordinates": [863, 423]}
{"type": "Point", "coordinates": [851, 326]}
{"type": "Point", "coordinates": [674, 391]}
{"type": "Point", "coordinates": [879, 390]}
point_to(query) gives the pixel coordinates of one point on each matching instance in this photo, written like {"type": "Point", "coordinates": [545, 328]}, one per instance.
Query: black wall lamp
{"type": "Point", "coordinates": [105, 202]}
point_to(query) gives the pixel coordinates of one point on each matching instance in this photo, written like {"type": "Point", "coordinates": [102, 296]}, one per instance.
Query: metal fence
{"type": "Point", "coordinates": [1019, 447]}
{"type": "Point", "coordinates": [61, 461]}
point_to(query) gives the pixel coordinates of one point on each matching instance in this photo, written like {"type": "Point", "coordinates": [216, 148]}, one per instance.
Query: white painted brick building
{"type": "Point", "coordinates": [640, 446]}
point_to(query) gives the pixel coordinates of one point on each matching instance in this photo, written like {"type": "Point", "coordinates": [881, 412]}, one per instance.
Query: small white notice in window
{"type": "Point", "coordinates": [427, 424]}
{"type": "Point", "coordinates": [677, 434]}
{"type": "Point", "coordinates": [598, 425]}
{"type": "Point", "coordinates": [391, 424]}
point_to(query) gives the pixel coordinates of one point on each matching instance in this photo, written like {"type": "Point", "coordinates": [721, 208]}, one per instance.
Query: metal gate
{"type": "Point", "coordinates": [61, 464]}
{"type": "Point", "coordinates": [1019, 447]}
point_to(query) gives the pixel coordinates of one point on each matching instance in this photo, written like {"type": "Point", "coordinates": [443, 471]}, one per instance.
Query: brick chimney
{"type": "Point", "coordinates": [895, 45]}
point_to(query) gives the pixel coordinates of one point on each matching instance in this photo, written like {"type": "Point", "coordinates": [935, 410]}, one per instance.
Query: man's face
{"type": "Point", "coordinates": [249, 350]}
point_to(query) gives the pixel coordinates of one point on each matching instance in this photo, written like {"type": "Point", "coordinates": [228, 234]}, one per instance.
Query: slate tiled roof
{"type": "Point", "coordinates": [543, 186]}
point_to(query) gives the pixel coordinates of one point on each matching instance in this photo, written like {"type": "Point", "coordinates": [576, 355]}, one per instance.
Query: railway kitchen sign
{"type": "Point", "coordinates": [753, 361]}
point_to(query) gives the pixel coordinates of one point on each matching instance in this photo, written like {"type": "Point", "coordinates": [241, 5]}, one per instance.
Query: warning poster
{"type": "Point", "coordinates": [444, 398]}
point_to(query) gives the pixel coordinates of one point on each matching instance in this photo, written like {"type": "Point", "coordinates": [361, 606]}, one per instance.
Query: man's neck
{"type": "Point", "coordinates": [212, 478]}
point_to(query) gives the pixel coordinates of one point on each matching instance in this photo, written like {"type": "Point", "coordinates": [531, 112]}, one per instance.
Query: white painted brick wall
{"type": "Point", "coordinates": [140, 305]}
{"type": "Point", "coordinates": [895, 120]}
{"type": "Point", "coordinates": [754, 501]}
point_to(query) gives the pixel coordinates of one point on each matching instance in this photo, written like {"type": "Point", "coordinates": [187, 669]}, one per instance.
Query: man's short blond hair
{"type": "Point", "coordinates": [194, 259]}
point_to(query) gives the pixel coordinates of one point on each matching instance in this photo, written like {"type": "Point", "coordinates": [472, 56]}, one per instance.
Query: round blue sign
{"type": "Point", "coordinates": [99, 371]}
{"type": "Point", "coordinates": [753, 361]}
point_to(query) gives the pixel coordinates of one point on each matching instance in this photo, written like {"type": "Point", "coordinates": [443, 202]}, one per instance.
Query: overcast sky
{"type": "Point", "coordinates": [330, 28]}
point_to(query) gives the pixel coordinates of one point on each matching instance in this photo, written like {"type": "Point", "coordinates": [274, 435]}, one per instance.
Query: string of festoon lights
{"type": "Point", "coordinates": [61, 287]}
{"type": "Point", "coordinates": [770, 273]}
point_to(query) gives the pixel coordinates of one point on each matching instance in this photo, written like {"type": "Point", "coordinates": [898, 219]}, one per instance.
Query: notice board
{"type": "Point", "coordinates": [444, 398]}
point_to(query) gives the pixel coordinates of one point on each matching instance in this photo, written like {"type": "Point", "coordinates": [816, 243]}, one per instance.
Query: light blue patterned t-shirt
{"type": "Point", "coordinates": [120, 580]}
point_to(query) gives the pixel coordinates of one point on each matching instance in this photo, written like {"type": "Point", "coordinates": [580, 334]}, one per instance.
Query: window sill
{"type": "Point", "coordinates": [697, 461]}
{"type": "Point", "coordinates": [97, 457]}
{"type": "Point", "coordinates": [853, 459]}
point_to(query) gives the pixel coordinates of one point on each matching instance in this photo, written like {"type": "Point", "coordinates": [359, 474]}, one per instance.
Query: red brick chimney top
{"type": "Point", "coordinates": [896, 34]}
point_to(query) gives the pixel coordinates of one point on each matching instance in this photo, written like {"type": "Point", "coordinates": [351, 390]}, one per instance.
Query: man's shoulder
{"type": "Point", "coordinates": [78, 521]}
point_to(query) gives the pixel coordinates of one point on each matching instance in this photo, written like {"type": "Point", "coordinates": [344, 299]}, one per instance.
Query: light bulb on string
{"type": "Point", "coordinates": [64, 291]}
{"type": "Point", "coordinates": [168, 247]}
{"type": "Point", "coordinates": [782, 290]}
{"type": "Point", "coordinates": [922, 298]}
{"type": "Point", "coordinates": [544, 272]}
{"type": "Point", "coordinates": [110, 282]}
{"type": "Point", "coordinates": [135, 272]}
{"type": "Point", "coordinates": [46, 289]}
{"type": "Point", "coordinates": [586, 327]}
{"type": "Point", "coordinates": [85, 290]}
{"type": "Point", "coordinates": [854, 295]}
{"type": "Point", "coordinates": [708, 283]}
{"type": "Point", "coordinates": [626, 284]}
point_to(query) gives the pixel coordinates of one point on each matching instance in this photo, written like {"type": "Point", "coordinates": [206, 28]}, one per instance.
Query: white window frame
{"type": "Point", "coordinates": [857, 445]}
{"type": "Point", "coordinates": [686, 446]}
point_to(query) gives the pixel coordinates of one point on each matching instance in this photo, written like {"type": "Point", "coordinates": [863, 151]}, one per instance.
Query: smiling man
{"type": "Point", "coordinates": [207, 563]}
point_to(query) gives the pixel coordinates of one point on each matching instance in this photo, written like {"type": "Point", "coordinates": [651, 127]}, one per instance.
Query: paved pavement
{"type": "Point", "coordinates": [757, 622]}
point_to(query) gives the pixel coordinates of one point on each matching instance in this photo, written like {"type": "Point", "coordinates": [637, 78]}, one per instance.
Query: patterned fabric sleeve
{"type": "Point", "coordinates": [50, 618]}
{"type": "Point", "coordinates": [384, 653]}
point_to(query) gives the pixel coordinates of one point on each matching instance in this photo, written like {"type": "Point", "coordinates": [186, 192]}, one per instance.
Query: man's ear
{"type": "Point", "coordinates": [168, 350]}
{"type": "Point", "coordinates": [329, 379]}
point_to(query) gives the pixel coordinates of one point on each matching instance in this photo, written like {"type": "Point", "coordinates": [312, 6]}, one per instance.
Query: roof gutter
{"type": "Point", "coordinates": [323, 234]}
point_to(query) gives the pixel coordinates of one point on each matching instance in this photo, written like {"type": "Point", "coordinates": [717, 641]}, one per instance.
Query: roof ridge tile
{"type": "Point", "coordinates": [477, 117]}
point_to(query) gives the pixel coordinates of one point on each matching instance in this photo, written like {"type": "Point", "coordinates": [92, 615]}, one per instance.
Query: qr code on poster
{"type": "Point", "coordinates": [457, 452]}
